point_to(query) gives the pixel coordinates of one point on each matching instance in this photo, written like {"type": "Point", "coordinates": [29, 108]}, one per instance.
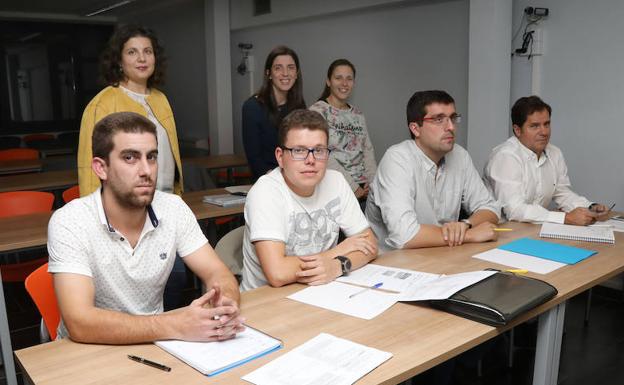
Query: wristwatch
{"type": "Point", "coordinates": [467, 221]}
{"type": "Point", "coordinates": [345, 264]}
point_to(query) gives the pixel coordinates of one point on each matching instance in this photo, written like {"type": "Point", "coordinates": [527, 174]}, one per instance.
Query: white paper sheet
{"type": "Point", "coordinates": [323, 360]}
{"type": "Point", "coordinates": [520, 261]}
{"type": "Point", "coordinates": [615, 225]}
{"type": "Point", "coordinates": [335, 296]}
{"type": "Point", "coordinates": [393, 279]}
{"type": "Point", "coordinates": [444, 286]}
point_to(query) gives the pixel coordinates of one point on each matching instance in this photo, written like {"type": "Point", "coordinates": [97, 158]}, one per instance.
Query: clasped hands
{"type": "Point", "coordinates": [318, 269]}
{"type": "Point", "coordinates": [211, 317]}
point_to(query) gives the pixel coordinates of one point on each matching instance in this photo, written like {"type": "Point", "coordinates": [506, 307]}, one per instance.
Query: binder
{"type": "Point", "coordinates": [548, 250]}
{"type": "Point", "coordinates": [498, 299]}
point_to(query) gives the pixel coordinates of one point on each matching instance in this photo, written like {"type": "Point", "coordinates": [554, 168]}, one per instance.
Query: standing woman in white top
{"type": "Point", "coordinates": [132, 65]}
{"type": "Point", "coordinates": [352, 151]}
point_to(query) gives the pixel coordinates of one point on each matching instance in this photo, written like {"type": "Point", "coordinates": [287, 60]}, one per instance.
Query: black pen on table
{"type": "Point", "coordinates": [149, 363]}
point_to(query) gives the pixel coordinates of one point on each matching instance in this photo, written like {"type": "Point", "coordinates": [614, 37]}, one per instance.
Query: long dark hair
{"type": "Point", "coordinates": [338, 62]}
{"type": "Point", "coordinates": [110, 61]}
{"type": "Point", "coordinates": [294, 97]}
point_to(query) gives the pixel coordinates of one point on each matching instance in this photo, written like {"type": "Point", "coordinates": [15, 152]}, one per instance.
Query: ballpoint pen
{"type": "Point", "coordinates": [375, 286]}
{"type": "Point", "coordinates": [149, 363]}
{"type": "Point", "coordinates": [499, 229]}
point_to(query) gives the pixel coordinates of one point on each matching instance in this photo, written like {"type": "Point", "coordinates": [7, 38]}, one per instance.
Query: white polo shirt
{"type": "Point", "coordinates": [126, 279]}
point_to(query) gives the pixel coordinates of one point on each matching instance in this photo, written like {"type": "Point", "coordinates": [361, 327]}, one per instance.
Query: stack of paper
{"type": "Point", "coordinates": [324, 359]}
{"type": "Point", "coordinates": [225, 200]}
{"type": "Point", "coordinates": [403, 284]}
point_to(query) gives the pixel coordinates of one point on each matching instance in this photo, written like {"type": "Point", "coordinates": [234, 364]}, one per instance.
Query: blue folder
{"type": "Point", "coordinates": [548, 250]}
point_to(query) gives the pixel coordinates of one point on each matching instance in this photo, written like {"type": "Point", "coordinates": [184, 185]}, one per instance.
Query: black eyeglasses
{"type": "Point", "coordinates": [301, 153]}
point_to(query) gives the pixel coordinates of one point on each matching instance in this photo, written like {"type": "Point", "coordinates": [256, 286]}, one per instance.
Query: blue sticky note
{"type": "Point", "coordinates": [548, 250]}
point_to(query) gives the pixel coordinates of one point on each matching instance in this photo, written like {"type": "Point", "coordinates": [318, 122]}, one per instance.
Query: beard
{"type": "Point", "coordinates": [129, 199]}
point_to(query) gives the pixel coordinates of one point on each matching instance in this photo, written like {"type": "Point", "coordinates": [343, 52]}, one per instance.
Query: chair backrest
{"type": "Point", "coordinates": [36, 137]}
{"type": "Point", "coordinates": [71, 193]}
{"type": "Point", "coordinates": [25, 202]}
{"type": "Point", "coordinates": [41, 289]}
{"type": "Point", "coordinates": [230, 250]}
{"type": "Point", "coordinates": [19, 154]}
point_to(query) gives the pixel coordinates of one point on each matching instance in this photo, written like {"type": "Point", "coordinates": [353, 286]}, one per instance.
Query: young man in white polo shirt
{"type": "Point", "coordinates": [294, 213]}
{"type": "Point", "coordinates": [111, 252]}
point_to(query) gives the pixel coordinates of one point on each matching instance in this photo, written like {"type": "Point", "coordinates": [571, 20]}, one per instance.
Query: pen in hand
{"type": "Point", "coordinates": [375, 286]}
{"type": "Point", "coordinates": [216, 299]}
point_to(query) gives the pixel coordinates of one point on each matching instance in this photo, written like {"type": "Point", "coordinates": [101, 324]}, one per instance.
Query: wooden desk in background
{"type": "Point", "coordinates": [19, 166]}
{"type": "Point", "coordinates": [31, 230]}
{"type": "Point", "coordinates": [39, 181]}
{"type": "Point", "coordinates": [418, 337]}
{"type": "Point", "coordinates": [217, 161]}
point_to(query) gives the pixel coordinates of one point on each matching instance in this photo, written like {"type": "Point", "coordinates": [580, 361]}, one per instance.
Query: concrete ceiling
{"type": "Point", "coordinates": [78, 8]}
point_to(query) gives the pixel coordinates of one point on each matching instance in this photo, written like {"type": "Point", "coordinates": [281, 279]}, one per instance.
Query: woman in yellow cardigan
{"type": "Point", "coordinates": [132, 64]}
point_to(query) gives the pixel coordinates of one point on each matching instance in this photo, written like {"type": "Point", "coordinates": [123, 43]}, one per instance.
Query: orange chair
{"type": "Point", "coordinates": [71, 193]}
{"type": "Point", "coordinates": [41, 289]}
{"type": "Point", "coordinates": [19, 154]}
{"type": "Point", "coordinates": [20, 203]}
{"type": "Point", "coordinates": [25, 202]}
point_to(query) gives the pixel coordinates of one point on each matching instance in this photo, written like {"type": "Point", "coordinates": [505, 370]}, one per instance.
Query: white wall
{"type": "Point", "coordinates": [289, 10]}
{"type": "Point", "coordinates": [180, 28]}
{"type": "Point", "coordinates": [489, 72]}
{"type": "Point", "coordinates": [397, 50]}
{"type": "Point", "coordinates": [581, 78]}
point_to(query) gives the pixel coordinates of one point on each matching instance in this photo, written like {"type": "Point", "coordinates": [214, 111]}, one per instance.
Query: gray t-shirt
{"type": "Point", "coordinates": [306, 225]}
{"type": "Point", "coordinates": [410, 189]}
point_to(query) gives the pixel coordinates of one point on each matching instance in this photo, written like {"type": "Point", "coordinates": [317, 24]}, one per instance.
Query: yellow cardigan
{"type": "Point", "coordinates": [114, 99]}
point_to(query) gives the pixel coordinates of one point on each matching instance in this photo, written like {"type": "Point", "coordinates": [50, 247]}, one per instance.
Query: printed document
{"type": "Point", "coordinates": [323, 360]}
{"type": "Point", "coordinates": [335, 296]}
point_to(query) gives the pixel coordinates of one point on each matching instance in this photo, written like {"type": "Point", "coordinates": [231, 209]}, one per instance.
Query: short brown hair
{"type": "Point", "coordinates": [526, 106]}
{"type": "Point", "coordinates": [129, 122]}
{"type": "Point", "coordinates": [299, 119]}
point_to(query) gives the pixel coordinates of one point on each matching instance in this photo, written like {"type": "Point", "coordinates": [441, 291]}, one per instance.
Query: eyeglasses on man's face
{"type": "Point", "coordinates": [442, 119]}
{"type": "Point", "coordinates": [301, 153]}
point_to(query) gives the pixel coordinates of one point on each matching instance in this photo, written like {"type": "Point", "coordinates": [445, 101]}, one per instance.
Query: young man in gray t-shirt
{"type": "Point", "coordinates": [294, 213]}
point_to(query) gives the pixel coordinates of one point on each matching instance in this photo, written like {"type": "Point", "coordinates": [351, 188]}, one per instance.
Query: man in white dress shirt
{"type": "Point", "coordinates": [422, 184]}
{"type": "Point", "coordinates": [526, 173]}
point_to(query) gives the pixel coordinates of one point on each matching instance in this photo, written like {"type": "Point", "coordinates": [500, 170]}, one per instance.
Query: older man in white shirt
{"type": "Point", "coordinates": [422, 184]}
{"type": "Point", "coordinates": [526, 172]}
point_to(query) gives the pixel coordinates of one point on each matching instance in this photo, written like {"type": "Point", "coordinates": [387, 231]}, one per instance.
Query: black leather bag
{"type": "Point", "coordinates": [497, 299]}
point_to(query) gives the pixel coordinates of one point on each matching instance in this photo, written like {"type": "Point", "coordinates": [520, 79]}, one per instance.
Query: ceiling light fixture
{"type": "Point", "coordinates": [108, 8]}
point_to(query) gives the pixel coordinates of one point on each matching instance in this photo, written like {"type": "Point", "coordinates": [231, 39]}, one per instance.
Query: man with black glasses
{"type": "Point", "coordinates": [294, 214]}
{"type": "Point", "coordinates": [422, 184]}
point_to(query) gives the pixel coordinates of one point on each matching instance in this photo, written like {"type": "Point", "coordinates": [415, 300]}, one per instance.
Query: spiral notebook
{"type": "Point", "coordinates": [212, 358]}
{"type": "Point", "coordinates": [578, 233]}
